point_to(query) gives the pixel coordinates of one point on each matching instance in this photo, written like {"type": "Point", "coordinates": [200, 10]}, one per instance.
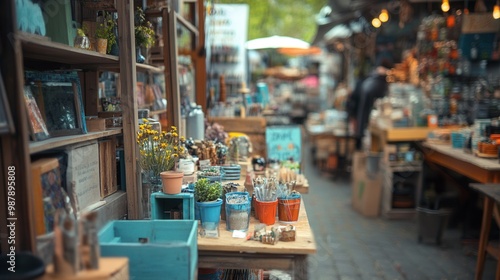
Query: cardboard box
{"type": "Point", "coordinates": [366, 189]}
{"type": "Point", "coordinates": [358, 165]}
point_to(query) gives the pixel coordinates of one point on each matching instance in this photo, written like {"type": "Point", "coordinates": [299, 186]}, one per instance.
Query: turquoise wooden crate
{"type": "Point", "coordinates": [162, 205]}
{"type": "Point", "coordinates": [157, 249]}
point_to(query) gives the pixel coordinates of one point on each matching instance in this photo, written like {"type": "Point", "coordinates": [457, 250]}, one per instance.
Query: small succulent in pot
{"type": "Point", "coordinates": [205, 191]}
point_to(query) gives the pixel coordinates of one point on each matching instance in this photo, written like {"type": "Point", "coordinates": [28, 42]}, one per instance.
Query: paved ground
{"type": "Point", "coordinates": [353, 247]}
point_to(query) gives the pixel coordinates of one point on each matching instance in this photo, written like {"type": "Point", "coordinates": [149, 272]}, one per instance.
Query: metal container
{"type": "Point", "coordinates": [195, 124]}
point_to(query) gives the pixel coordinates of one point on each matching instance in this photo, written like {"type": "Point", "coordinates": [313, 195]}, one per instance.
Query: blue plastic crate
{"type": "Point", "coordinates": [163, 204]}
{"type": "Point", "coordinates": [157, 249]}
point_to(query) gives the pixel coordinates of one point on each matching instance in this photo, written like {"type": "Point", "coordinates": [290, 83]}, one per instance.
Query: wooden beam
{"type": "Point", "coordinates": [170, 60]}
{"type": "Point", "coordinates": [14, 148]}
{"type": "Point", "coordinates": [129, 105]}
{"type": "Point", "coordinates": [200, 65]}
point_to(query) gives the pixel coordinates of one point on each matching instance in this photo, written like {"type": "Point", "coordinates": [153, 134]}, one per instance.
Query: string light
{"type": "Point", "coordinates": [496, 11]}
{"type": "Point", "coordinates": [384, 15]}
{"type": "Point", "coordinates": [445, 6]}
{"type": "Point", "coordinates": [376, 22]}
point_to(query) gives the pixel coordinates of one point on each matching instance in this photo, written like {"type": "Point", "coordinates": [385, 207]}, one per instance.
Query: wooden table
{"type": "Point", "coordinates": [486, 172]}
{"type": "Point", "coordinates": [491, 194]}
{"type": "Point", "coordinates": [229, 252]}
{"type": "Point", "coordinates": [381, 136]}
{"type": "Point", "coordinates": [109, 269]}
{"type": "Point", "coordinates": [330, 146]}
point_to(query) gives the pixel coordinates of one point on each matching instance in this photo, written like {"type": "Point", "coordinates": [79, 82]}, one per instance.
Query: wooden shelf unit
{"type": "Point", "coordinates": [62, 141]}
{"type": "Point", "coordinates": [21, 50]}
{"type": "Point", "coordinates": [41, 48]}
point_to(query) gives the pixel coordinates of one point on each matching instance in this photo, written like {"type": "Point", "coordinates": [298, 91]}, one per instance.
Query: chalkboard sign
{"type": "Point", "coordinates": [284, 143]}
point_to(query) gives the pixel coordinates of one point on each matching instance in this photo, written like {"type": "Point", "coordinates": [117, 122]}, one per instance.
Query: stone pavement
{"type": "Point", "coordinates": [352, 247]}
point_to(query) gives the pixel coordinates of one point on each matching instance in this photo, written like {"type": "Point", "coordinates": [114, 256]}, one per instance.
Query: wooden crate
{"type": "Point", "coordinates": [412, 174]}
{"type": "Point", "coordinates": [157, 249]}
{"type": "Point", "coordinates": [253, 127]}
{"type": "Point", "coordinates": [172, 206]}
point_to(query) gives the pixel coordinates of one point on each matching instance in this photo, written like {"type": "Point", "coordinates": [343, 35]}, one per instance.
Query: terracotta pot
{"type": "Point", "coordinates": [288, 209]}
{"type": "Point", "coordinates": [266, 211]}
{"type": "Point", "coordinates": [172, 181]}
{"type": "Point", "coordinates": [102, 45]}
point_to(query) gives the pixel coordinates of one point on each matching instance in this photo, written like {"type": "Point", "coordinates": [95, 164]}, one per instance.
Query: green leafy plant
{"type": "Point", "coordinates": [106, 30]}
{"type": "Point", "coordinates": [204, 190]}
{"type": "Point", "coordinates": [80, 32]}
{"type": "Point", "coordinates": [144, 33]}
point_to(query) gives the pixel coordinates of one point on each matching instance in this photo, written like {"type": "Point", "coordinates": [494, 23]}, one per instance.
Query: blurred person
{"type": "Point", "coordinates": [360, 102]}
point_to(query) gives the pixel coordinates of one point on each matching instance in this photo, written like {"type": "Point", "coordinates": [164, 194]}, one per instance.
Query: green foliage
{"type": "Point", "coordinates": [281, 17]}
{"type": "Point", "coordinates": [80, 32]}
{"type": "Point", "coordinates": [204, 190]}
{"type": "Point", "coordinates": [106, 31]}
{"type": "Point", "coordinates": [144, 33]}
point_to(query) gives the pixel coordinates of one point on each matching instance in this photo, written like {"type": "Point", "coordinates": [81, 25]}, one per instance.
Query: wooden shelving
{"type": "Point", "coordinates": [148, 68]}
{"type": "Point", "coordinates": [40, 48]}
{"type": "Point", "coordinates": [58, 142]}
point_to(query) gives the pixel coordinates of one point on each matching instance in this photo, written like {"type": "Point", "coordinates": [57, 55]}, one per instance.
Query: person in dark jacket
{"type": "Point", "coordinates": [363, 97]}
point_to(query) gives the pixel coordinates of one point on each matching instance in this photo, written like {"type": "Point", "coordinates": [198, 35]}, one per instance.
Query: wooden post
{"type": "Point", "coordinates": [129, 100]}
{"type": "Point", "coordinates": [14, 147]}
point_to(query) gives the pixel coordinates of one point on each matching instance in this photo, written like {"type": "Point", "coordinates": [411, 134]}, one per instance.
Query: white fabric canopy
{"type": "Point", "coordinates": [275, 42]}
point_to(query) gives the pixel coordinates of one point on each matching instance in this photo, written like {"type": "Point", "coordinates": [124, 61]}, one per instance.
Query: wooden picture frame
{"type": "Point", "coordinates": [38, 128]}
{"type": "Point", "coordinates": [48, 192]}
{"type": "Point", "coordinates": [59, 98]}
{"type": "Point", "coordinates": [6, 124]}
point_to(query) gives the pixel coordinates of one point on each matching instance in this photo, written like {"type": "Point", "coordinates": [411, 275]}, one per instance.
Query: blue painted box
{"type": "Point", "coordinates": [164, 205]}
{"type": "Point", "coordinates": [159, 249]}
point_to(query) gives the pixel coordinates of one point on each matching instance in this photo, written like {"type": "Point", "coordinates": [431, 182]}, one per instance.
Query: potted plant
{"type": "Point", "coordinates": [158, 153]}
{"type": "Point", "coordinates": [105, 35]}
{"type": "Point", "coordinates": [213, 174]}
{"type": "Point", "coordinates": [208, 202]}
{"type": "Point", "coordinates": [144, 34]}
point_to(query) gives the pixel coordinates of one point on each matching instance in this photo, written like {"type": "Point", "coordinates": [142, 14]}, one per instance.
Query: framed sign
{"type": "Point", "coordinates": [38, 128]}
{"type": "Point", "coordinates": [284, 143]}
{"type": "Point", "coordinates": [59, 99]}
{"type": "Point", "coordinates": [6, 124]}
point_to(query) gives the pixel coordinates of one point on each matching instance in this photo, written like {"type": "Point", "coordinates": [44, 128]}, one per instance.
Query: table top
{"type": "Point", "coordinates": [484, 163]}
{"type": "Point", "coordinates": [396, 134]}
{"type": "Point", "coordinates": [491, 190]}
{"type": "Point", "coordinates": [304, 240]}
{"type": "Point", "coordinates": [108, 268]}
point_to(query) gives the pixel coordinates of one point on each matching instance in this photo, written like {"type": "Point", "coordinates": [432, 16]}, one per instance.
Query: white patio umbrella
{"type": "Point", "coordinates": [276, 42]}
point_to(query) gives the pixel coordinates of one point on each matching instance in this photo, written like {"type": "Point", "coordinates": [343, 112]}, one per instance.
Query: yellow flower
{"type": "Point", "coordinates": [158, 151]}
